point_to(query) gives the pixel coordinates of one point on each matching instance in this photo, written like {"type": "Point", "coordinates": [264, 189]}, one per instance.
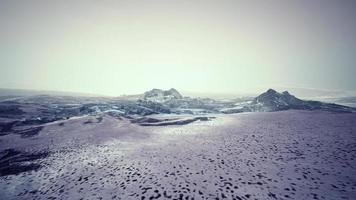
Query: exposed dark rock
{"type": "Point", "coordinates": [30, 132]}
{"type": "Point", "coordinates": [15, 162]}
{"type": "Point", "coordinates": [177, 122]}
{"type": "Point", "coordinates": [272, 100]}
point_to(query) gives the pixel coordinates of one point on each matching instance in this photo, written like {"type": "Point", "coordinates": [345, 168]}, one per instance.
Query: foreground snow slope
{"type": "Point", "coordinates": [278, 155]}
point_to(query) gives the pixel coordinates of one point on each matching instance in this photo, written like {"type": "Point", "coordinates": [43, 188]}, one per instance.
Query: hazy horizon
{"type": "Point", "coordinates": [226, 47]}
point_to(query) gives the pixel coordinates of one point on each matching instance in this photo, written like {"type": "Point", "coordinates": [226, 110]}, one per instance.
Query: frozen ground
{"type": "Point", "coordinates": [277, 155]}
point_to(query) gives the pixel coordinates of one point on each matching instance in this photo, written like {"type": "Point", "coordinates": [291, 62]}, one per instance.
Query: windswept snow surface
{"type": "Point", "coordinates": [277, 155]}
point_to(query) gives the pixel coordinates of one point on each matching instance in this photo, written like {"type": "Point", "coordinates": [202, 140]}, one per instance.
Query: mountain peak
{"type": "Point", "coordinates": [158, 95]}
{"type": "Point", "coordinates": [273, 100]}
{"type": "Point", "coordinates": [268, 95]}
{"type": "Point", "coordinates": [174, 93]}
{"type": "Point", "coordinates": [271, 91]}
{"type": "Point", "coordinates": [286, 93]}
{"type": "Point", "coordinates": [173, 90]}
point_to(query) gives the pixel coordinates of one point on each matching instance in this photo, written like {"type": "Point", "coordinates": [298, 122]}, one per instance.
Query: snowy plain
{"type": "Point", "coordinates": [274, 155]}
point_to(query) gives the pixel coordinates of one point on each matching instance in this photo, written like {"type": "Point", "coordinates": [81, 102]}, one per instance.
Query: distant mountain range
{"type": "Point", "coordinates": [23, 111]}
{"type": "Point", "coordinates": [269, 101]}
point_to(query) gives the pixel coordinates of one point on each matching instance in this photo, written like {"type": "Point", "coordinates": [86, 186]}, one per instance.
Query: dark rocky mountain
{"type": "Point", "coordinates": [272, 100]}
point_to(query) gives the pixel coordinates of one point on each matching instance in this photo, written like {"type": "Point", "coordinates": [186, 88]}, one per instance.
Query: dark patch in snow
{"type": "Point", "coordinates": [150, 120]}
{"type": "Point", "coordinates": [176, 122]}
{"type": "Point", "coordinates": [6, 127]}
{"type": "Point", "coordinates": [13, 162]}
{"type": "Point", "coordinates": [10, 109]}
{"type": "Point", "coordinates": [30, 132]}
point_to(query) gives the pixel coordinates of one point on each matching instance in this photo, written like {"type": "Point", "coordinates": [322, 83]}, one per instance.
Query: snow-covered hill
{"type": "Point", "coordinates": [272, 100]}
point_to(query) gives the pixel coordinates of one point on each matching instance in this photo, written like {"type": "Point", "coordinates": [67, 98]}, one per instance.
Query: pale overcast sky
{"type": "Point", "coordinates": [116, 47]}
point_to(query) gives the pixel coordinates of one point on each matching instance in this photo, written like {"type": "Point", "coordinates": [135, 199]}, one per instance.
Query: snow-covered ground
{"type": "Point", "coordinates": [277, 155]}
